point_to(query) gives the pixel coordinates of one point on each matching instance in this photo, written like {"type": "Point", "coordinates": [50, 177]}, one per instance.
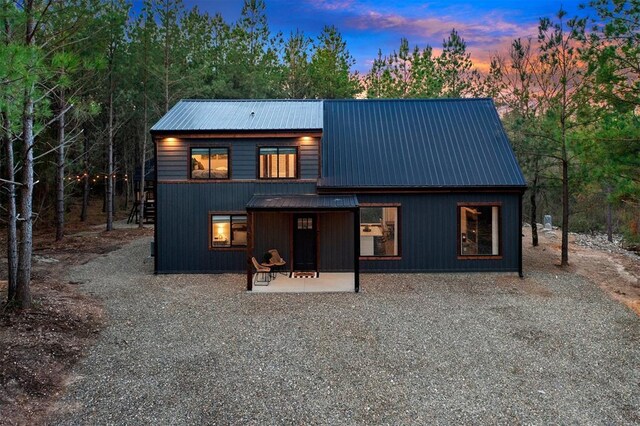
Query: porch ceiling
{"type": "Point", "coordinates": [303, 202]}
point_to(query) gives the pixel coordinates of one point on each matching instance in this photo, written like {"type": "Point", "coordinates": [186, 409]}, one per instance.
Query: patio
{"type": "Point", "coordinates": [326, 282]}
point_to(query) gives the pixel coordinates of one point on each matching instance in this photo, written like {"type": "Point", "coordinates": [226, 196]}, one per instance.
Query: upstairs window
{"type": "Point", "coordinates": [278, 163]}
{"type": "Point", "coordinates": [228, 231]}
{"type": "Point", "coordinates": [479, 230]}
{"type": "Point", "coordinates": [209, 163]}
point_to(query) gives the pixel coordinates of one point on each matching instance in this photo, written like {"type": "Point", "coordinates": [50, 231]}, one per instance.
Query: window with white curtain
{"type": "Point", "coordinates": [479, 230]}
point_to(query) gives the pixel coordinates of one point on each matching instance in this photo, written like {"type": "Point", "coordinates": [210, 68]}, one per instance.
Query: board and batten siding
{"type": "Point", "coordinates": [429, 233]}
{"type": "Point", "coordinates": [336, 242]}
{"type": "Point", "coordinates": [182, 222]}
{"type": "Point", "coordinates": [173, 156]}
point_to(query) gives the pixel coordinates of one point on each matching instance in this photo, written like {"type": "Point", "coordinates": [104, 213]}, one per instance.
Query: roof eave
{"type": "Point", "coordinates": [200, 132]}
{"type": "Point", "coordinates": [421, 188]}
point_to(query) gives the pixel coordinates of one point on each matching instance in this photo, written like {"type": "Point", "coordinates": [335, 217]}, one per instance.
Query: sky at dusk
{"type": "Point", "coordinates": [367, 25]}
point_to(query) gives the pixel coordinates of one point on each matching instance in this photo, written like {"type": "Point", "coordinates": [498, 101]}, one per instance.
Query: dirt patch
{"type": "Point", "coordinates": [40, 346]}
{"type": "Point", "coordinates": [618, 274]}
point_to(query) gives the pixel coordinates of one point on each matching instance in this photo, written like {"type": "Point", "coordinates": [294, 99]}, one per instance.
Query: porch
{"type": "Point", "coordinates": [315, 234]}
{"type": "Point", "coordinates": [326, 282]}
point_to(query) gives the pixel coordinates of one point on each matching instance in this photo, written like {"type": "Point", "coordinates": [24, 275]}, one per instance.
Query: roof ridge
{"type": "Point", "coordinates": [251, 100]}
{"type": "Point", "coordinates": [409, 100]}
{"type": "Point", "coordinates": [343, 100]}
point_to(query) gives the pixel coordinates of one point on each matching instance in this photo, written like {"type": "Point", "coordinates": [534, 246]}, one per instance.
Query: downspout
{"type": "Point", "coordinates": [250, 239]}
{"type": "Point", "coordinates": [520, 273]}
{"type": "Point", "coordinates": [356, 249]}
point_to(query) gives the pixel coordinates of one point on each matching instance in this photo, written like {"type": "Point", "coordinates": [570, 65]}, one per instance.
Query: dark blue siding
{"type": "Point", "coordinates": [272, 231]}
{"type": "Point", "coordinates": [172, 161]}
{"type": "Point", "coordinates": [429, 233]}
{"type": "Point", "coordinates": [243, 160]}
{"type": "Point", "coordinates": [336, 242]}
{"type": "Point", "coordinates": [182, 222]}
{"type": "Point", "coordinates": [173, 157]}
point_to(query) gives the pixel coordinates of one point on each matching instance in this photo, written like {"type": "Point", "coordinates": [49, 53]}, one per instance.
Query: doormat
{"type": "Point", "coordinates": [304, 275]}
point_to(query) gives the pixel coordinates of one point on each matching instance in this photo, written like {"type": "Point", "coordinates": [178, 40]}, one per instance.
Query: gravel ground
{"type": "Point", "coordinates": [409, 349]}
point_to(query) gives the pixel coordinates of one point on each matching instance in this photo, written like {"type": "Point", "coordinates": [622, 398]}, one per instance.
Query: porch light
{"type": "Point", "coordinates": [306, 140]}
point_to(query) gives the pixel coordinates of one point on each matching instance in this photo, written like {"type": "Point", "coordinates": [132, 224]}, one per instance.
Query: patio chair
{"type": "Point", "coordinates": [277, 261]}
{"type": "Point", "coordinates": [264, 270]}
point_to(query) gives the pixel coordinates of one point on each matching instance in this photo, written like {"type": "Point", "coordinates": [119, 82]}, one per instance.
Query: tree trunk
{"type": "Point", "coordinates": [85, 180]}
{"type": "Point", "coordinates": [109, 180]}
{"type": "Point", "coordinates": [565, 210]}
{"type": "Point", "coordinates": [60, 170]}
{"type": "Point", "coordinates": [609, 217]}
{"type": "Point", "coordinates": [25, 245]}
{"type": "Point", "coordinates": [534, 213]}
{"type": "Point", "coordinates": [126, 188]}
{"type": "Point", "coordinates": [143, 171]}
{"type": "Point", "coordinates": [12, 231]}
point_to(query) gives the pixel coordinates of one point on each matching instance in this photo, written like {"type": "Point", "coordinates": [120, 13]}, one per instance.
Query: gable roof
{"type": "Point", "coordinates": [222, 115]}
{"type": "Point", "coordinates": [416, 143]}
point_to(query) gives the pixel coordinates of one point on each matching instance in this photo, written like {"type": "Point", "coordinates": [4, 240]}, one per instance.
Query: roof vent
{"type": "Point", "coordinates": [253, 113]}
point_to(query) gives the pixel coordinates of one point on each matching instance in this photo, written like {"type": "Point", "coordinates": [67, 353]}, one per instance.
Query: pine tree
{"type": "Point", "coordinates": [454, 66]}
{"type": "Point", "coordinates": [297, 81]}
{"type": "Point", "coordinates": [330, 67]}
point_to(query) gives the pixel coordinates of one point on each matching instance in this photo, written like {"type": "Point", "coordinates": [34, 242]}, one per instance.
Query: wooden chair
{"type": "Point", "coordinates": [264, 270]}
{"type": "Point", "coordinates": [277, 260]}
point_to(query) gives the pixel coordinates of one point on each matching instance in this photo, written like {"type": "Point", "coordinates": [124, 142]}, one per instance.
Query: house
{"type": "Point", "coordinates": [337, 186]}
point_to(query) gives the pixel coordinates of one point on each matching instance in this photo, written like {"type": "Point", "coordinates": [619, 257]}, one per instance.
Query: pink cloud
{"type": "Point", "coordinates": [331, 4]}
{"type": "Point", "coordinates": [486, 35]}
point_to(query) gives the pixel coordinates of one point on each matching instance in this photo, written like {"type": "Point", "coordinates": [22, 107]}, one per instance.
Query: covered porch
{"type": "Point", "coordinates": [326, 282]}
{"type": "Point", "coordinates": [316, 235]}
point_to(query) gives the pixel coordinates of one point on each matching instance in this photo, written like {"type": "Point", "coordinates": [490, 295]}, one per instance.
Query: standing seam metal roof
{"type": "Point", "coordinates": [212, 115]}
{"type": "Point", "coordinates": [377, 143]}
{"type": "Point", "coordinates": [416, 143]}
{"type": "Point", "coordinates": [306, 201]}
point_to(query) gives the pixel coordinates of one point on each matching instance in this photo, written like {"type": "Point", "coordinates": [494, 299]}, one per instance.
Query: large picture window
{"type": "Point", "coordinates": [479, 230]}
{"type": "Point", "coordinates": [209, 163]}
{"type": "Point", "coordinates": [228, 231]}
{"type": "Point", "coordinates": [278, 163]}
{"type": "Point", "coordinates": [379, 231]}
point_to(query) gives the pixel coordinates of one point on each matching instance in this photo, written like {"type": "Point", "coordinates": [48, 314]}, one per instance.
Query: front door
{"type": "Point", "coordinates": [304, 242]}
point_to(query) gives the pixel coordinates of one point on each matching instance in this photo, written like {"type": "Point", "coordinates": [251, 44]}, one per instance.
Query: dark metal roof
{"type": "Point", "coordinates": [416, 143]}
{"type": "Point", "coordinates": [302, 202]}
{"type": "Point", "coordinates": [220, 115]}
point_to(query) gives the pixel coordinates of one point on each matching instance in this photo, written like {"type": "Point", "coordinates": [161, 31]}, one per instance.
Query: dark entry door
{"type": "Point", "coordinates": [304, 242]}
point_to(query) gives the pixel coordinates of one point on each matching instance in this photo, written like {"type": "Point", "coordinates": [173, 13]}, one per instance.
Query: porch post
{"type": "Point", "coordinates": [356, 248]}
{"type": "Point", "coordinates": [249, 250]}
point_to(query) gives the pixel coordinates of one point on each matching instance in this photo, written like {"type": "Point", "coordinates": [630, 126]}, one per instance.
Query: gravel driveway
{"type": "Point", "coordinates": [421, 349]}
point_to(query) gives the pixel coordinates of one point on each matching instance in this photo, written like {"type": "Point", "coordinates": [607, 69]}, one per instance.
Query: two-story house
{"type": "Point", "coordinates": [336, 186]}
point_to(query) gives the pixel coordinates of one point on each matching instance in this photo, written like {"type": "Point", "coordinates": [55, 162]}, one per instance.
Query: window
{"type": "Point", "coordinates": [228, 231]}
{"type": "Point", "coordinates": [379, 231]}
{"type": "Point", "coordinates": [479, 230]}
{"type": "Point", "coordinates": [305, 223]}
{"type": "Point", "coordinates": [278, 163]}
{"type": "Point", "coordinates": [209, 163]}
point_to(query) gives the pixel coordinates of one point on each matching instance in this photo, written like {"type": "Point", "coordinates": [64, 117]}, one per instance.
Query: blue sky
{"type": "Point", "coordinates": [367, 25]}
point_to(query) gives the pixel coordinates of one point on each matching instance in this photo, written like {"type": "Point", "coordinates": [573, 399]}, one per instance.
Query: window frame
{"type": "Point", "coordinates": [461, 256]}
{"type": "Point", "coordinates": [209, 148]}
{"type": "Point", "coordinates": [277, 148]}
{"type": "Point", "coordinates": [231, 214]}
{"type": "Point", "coordinates": [398, 207]}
